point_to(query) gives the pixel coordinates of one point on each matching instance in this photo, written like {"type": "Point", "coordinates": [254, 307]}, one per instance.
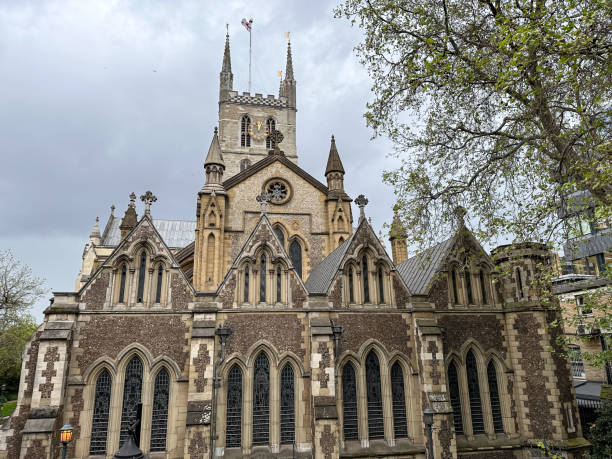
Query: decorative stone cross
{"type": "Point", "coordinates": [276, 137]}
{"type": "Point", "coordinates": [132, 200]}
{"type": "Point", "coordinates": [361, 201]}
{"type": "Point", "coordinates": [263, 199]}
{"type": "Point", "coordinates": [148, 198]}
{"type": "Point", "coordinates": [460, 216]}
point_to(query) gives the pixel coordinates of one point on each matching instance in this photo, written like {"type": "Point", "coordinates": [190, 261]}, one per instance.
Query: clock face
{"type": "Point", "coordinates": [259, 130]}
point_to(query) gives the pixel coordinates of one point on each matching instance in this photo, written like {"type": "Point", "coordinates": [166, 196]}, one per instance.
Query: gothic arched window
{"type": "Point", "coordinates": [349, 403]}
{"type": "Point", "coordinates": [498, 424]}
{"type": "Point", "coordinates": [122, 283]}
{"type": "Point", "coordinates": [261, 400]}
{"type": "Point", "coordinates": [141, 275]}
{"type": "Point", "coordinates": [280, 235]}
{"type": "Point", "coordinates": [381, 286]}
{"type": "Point", "coordinates": [474, 393]}
{"type": "Point", "coordinates": [366, 281]}
{"type": "Point", "coordinates": [160, 274]}
{"type": "Point", "coordinates": [295, 253]}
{"type": "Point", "coordinates": [453, 388]}
{"type": "Point", "coordinates": [468, 287]}
{"type": "Point", "coordinates": [376, 426]}
{"type": "Point", "coordinates": [400, 424]}
{"type": "Point", "coordinates": [246, 284]}
{"type": "Point", "coordinates": [270, 127]}
{"type": "Point", "coordinates": [233, 421]}
{"type": "Point", "coordinates": [244, 163]}
{"type": "Point", "coordinates": [519, 282]}
{"type": "Point", "coordinates": [351, 286]}
{"type": "Point", "coordinates": [132, 390]}
{"type": "Point", "coordinates": [454, 282]}
{"type": "Point", "coordinates": [287, 406]}
{"type": "Point", "coordinates": [101, 411]}
{"type": "Point", "coordinates": [159, 422]}
{"type": "Point", "coordinates": [245, 129]}
{"type": "Point", "coordinates": [262, 280]}
{"type": "Point", "coordinates": [278, 284]}
{"type": "Point", "coordinates": [483, 287]}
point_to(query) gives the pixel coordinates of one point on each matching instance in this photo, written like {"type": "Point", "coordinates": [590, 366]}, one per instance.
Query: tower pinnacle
{"type": "Point", "coordinates": [334, 172]}
{"type": "Point", "coordinates": [226, 77]}
{"type": "Point", "coordinates": [289, 67]}
{"type": "Point", "coordinates": [288, 84]}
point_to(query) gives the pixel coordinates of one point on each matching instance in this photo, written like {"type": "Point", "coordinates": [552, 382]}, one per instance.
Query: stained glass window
{"type": "Point", "coordinates": [483, 287]}
{"type": "Point", "coordinates": [159, 423]}
{"type": "Point", "coordinates": [287, 406]}
{"type": "Point", "coordinates": [349, 403]}
{"type": "Point", "coordinates": [351, 286]}
{"type": "Point", "coordinates": [122, 284]}
{"type": "Point", "coordinates": [262, 280]}
{"type": "Point", "coordinates": [278, 284]}
{"type": "Point", "coordinates": [366, 281]}
{"type": "Point", "coordinates": [245, 128]}
{"type": "Point", "coordinates": [498, 424]}
{"type": "Point", "coordinates": [141, 275]}
{"type": "Point", "coordinates": [381, 287]}
{"type": "Point", "coordinates": [376, 426]}
{"type": "Point", "coordinates": [474, 393]}
{"type": "Point", "coordinates": [270, 127]}
{"type": "Point", "coordinates": [160, 273]}
{"type": "Point", "coordinates": [261, 400]}
{"type": "Point", "coordinates": [454, 282]}
{"type": "Point", "coordinates": [233, 422]}
{"type": "Point", "coordinates": [246, 284]}
{"type": "Point", "coordinates": [132, 389]}
{"type": "Point", "coordinates": [295, 253]}
{"type": "Point", "coordinates": [101, 410]}
{"type": "Point", "coordinates": [468, 286]}
{"type": "Point", "coordinates": [453, 388]}
{"type": "Point", "coordinates": [400, 424]}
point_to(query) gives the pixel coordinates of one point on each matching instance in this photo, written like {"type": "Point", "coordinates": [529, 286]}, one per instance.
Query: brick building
{"type": "Point", "coordinates": [322, 345]}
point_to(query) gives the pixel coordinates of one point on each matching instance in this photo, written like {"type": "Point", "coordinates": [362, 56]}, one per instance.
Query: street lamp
{"type": "Point", "coordinates": [428, 419]}
{"type": "Point", "coordinates": [65, 438]}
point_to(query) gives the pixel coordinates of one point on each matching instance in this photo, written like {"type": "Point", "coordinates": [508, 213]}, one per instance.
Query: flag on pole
{"type": "Point", "coordinates": [280, 73]}
{"type": "Point", "coordinates": [286, 34]}
{"type": "Point", "coordinates": [247, 24]}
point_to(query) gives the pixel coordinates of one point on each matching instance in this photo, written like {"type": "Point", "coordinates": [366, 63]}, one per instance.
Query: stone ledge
{"type": "Point", "coordinates": [379, 448]}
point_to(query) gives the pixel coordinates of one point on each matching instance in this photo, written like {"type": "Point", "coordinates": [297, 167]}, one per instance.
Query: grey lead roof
{"type": "Point", "coordinates": [175, 233]}
{"type": "Point", "coordinates": [320, 278]}
{"type": "Point", "coordinates": [418, 271]}
{"type": "Point", "coordinates": [589, 245]}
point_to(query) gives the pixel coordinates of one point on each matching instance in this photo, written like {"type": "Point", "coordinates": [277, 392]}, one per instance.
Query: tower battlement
{"type": "Point", "coordinates": [234, 97]}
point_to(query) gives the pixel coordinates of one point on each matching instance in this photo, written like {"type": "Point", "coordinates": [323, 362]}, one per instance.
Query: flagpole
{"type": "Point", "coordinates": [249, 60]}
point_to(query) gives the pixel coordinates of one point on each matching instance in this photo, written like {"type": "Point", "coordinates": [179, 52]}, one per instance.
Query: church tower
{"type": "Point", "coordinates": [340, 219]}
{"type": "Point", "coordinates": [210, 227]}
{"type": "Point", "coordinates": [246, 120]}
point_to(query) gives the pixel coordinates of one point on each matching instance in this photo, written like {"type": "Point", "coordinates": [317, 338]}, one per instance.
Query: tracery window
{"type": "Point", "coordinates": [158, 289]}
{"type": "Point", "coordinates": [483, 287]}
{"type": "Point", "coordinates": [498, 425]}
{"type": "Point", "coordinates": [474, 394]}
{"type": "Point", "coordinates": [287, 406]}
{"type": "Point", "coordinates": [400, 424]}
{"type": "Point", "coordinates": [246, 284]}
{"type": "Point", "coordinates": [245, 129]}
{"type": "Point", "coordinates": [261, 400]}
{"type": "Point", "coordinates": [122, 283]}
{"type": "Point", "coordinates": [295, 253]}
{"type": "Point", "coordinates": [376, 427]}
{"type": "Point", "coordinates": [366, 282]}
{"type": "Point", "coordinates": [351, 286]}
{"type": "Point", "coordinates": [262, 280]}
{"type": "Point", "coordinates": [454, 282]}
{"type": "Point", "coordinates": [381, 287]}
{"type": "Point", "coordinates": [270, 128]}
{"type": "Point", "coordinates": [132, 390]}
{"type": "Point", "coordinates": [233, 422]}
{"type": "Point", "coordinates": [101, 411]}
{"type": "Point", "coordinates": [159, 423]}
{"type": "Point", "coordinates": [468, 287]}
{"type": "Point", "coordinates": [453, 388]}
{"type": "Point", "coordinates": [349, 403]}
{"type": "Point", "coordinates": [141, 275]}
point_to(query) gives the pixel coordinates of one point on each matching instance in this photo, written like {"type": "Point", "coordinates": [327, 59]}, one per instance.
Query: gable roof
{"type": "Point", "coordinates": [418, 271]}
{"type": "Point", "coordinates": [259, 165]}
{"type": "Point", "coordinates": [175, 233]}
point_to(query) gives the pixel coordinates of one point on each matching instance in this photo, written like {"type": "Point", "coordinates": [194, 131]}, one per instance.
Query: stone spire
{"type": "Point", "coordinates": [214, 164]}
{"type": "Point", "coordinates": [334, 172]}
{"type": "Point", "coordinates": [130, 219]}
{"type": "Point", "coordinates": [226, 77]}
{"type": "Point", "coordinates": [288, 84]}
{"type": "Point", "coordinates": [95, 236]}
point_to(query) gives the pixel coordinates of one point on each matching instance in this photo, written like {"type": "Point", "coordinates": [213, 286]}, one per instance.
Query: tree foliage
{"type": "Point", "coordinates": [12, 345]}
{"type": "Point", "coordinates": [503, 108]}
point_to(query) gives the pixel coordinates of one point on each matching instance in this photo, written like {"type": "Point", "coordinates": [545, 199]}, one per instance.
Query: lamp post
{"type": "Point", "coordinates": [428, 420]}
{"type": "Point", "coordinates": [65, 438]}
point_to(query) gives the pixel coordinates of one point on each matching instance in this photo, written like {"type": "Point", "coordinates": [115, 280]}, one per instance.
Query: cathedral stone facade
{"type": "Point", "coordinates": [276, 325]}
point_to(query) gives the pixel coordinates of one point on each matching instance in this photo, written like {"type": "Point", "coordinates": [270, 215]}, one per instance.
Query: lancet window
{"type": "Point", "coordinates": [400, 424]}
{"type": "Point", "coordinates": [376, 426]}
{"type": "Point", "coordinates": [381, 286]}
{"type": "Point", "coordinates": [233, 423]}
{"type": "Point", "coordinates": [158, 287]}
{"type": "Point", "coordinates": [287, 406]}
{"type": "Point", "coordinates": [132, 392]}
{"type": "Point", "coordinates": [245, 131]}
{"type": "Point", "coordinates": [101, 412]}
{"type": "Point", "coordinates": [468, 286]}
{"type": "Point", "coordinates": [159, 423]}
{"type": "Point", "coordinates": [454, 283]}
{"type": "Point", "coordinates": [498, 425]}
{"type": "Point", "coordinates": [295, 253]}
{"type": "Point", "coordinates": [483, 287]}
{"type": "Point", "coordinates": [261, 400]}
{"type": "Point", "coordinates": [262, 280]}
{"type": "Point", "coordinates": [519, 282]}
{"type": "Point", "coordinates": [474, 394]}
{"type": "Point", "coordinates": [278, 284]}
{"type": "Point", "coordinates": [270, 127]}
{"type": "Point", "coordinates": [349, 403]}
{"type": "Point", "coordinates": [366, 280]}
{"type": "Point", "coordinates": [453, 387]}
{"type": "Point", "coordinates": [246, 284]}
{"type": "Point", "coordinates": [142, 271]}
{"type": "Point", "coordinates": [351, 286]}
{"type": "Point", "coordinates": [122, 283]}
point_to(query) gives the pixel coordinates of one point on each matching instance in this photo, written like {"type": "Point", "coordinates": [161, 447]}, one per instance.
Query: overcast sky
{"type": "Point", "coordinates": [101, 98]}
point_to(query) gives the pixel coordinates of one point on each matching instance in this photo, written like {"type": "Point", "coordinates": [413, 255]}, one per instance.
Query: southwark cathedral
{"type": "Point", "coordinates": [277, 325]}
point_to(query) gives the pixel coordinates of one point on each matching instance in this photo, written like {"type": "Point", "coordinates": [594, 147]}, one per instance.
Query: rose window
{"type": "Point", "coordinates": [278, 190]}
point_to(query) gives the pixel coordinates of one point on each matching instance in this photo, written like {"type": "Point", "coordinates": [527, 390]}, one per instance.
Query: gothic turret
{"type": "Point", "coordinates": [288, 85]}
{"type": "Point", "coordinates": [130, 219]}
{"type": "Point", "coordinates": [334, 172]}
{"type": "Point", "coordinates": [397, 237]}
{"type": "Point", "coordinates": [226, 77]}
{"type": "Point", "coordinates": [214, 164]}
